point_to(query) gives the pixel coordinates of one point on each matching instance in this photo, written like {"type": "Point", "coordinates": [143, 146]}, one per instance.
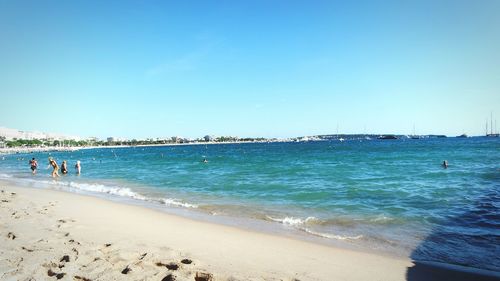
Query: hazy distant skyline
{"type": "Point", "coordinates": [139, 69]}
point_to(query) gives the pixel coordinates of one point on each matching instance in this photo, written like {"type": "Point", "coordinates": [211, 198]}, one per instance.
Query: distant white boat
{"type": "Point", "coordinates": [414, 136]}
{"type": "Point", "coordinates": [387, 137]}
{"type": "Point", "coordinates": [492, 134]}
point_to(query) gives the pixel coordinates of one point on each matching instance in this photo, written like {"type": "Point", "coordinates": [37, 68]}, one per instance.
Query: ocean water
{"type": "Point", "coordinates": [382, 195]}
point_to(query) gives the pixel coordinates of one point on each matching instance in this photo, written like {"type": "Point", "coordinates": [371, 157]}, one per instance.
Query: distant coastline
{"type": "Point", "coordinates": [22, 149]}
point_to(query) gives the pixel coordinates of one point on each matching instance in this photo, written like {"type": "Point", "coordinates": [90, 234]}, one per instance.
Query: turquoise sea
{"type": "Point", "coordinates": [391, 196]}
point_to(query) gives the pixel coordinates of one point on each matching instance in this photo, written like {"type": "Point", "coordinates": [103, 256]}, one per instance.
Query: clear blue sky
{"type": "Point", "coordinates": [249, 68]}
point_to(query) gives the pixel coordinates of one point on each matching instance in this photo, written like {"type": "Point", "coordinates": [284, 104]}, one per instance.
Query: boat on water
{"type": "Point", "coordinates": [387, 137]}
{"type": "Point", "coordinates": [414, 136]}
{"type": "Point", "coordinates": [492, 134]}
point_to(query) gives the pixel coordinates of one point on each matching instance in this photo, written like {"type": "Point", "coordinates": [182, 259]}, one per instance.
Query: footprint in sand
{"type": "Point", "coordinates": [63, 261]}
{"type": "Point", "coordinates": [106, 249]}
{"type": "Point", "coordinates": [51, 273]}
{"type": "Point", "coordinates": [11, 235]}
{"type": "Point", "coordinates": [27, 250]}
{"type": "Point", "coordinates": [169, 266]}
{"type": "Point", "coordinates": [73, 241]}
{"type": "Point", "coordinates": [202, 276]}
{"type": "Point", "coordinates": [126, 270]}
{"type": "Point", "coordinates": [81, 278]}
{"type": "Point", "coordinates": [169, 277]}
{"type": "Point", "coordinates": [65, 220]}
{"type": "Point", "coordinates": [15, 215]}
{"type": "Point", "coordinates": [43, 211]}
{"type": "Point", "coordinates": [65, 258]}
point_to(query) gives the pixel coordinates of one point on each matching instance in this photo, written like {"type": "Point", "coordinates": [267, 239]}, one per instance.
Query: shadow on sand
{"type": "Point", "coordinates": [472, 255]}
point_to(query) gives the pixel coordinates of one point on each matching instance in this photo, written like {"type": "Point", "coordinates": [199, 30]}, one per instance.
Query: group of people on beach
{"type": "Point", "coordinates": [52, 163]}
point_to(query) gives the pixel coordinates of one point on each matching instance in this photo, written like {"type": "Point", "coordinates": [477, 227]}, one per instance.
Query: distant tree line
{"type": "Point", "coordinates": [133, 142]}
{"type": "Point", "coordinates": [37, 143]}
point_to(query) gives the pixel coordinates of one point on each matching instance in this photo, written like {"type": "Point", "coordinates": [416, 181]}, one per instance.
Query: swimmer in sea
{"type": "Point", "coordinates": [78, 167]}
{"type": "Point", "coordinates": [205, 160]}
{"type": "Point", "coordinates": [53, 163]}
{"type": "Point", "coordinates": [445, 164]}
{"type": "Point", "coordinates": [64, 167]}
{"type": "Point", "coordinates": [33, 165]}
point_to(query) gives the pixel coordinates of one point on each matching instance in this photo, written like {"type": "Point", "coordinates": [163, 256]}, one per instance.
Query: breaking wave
{"type": "Point", "coordinates": [99, 188]}
{"type": "Point", "coordinates": [295, 221]}
{"type": "Point", "coordinates": [178, 203]}
{"type": "Point", "coordinates": [301, 224]}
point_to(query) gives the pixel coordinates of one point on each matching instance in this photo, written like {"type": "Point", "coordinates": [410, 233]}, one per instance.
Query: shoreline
{"type": "Point", "coordinates": [181, 208]}
{"type": "Point", "coordinates": [227, 253]}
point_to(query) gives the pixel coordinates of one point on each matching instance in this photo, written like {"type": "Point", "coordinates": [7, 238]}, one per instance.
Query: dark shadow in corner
{"type": "Point", "coordinates": [461, 256]}
{"type": "Point", "coordinates": [423, 271]}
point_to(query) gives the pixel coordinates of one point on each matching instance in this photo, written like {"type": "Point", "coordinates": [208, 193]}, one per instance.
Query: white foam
{"type": "Point", "coordinates": [294, 221]}
{"type": "Point", "coordinates": [332, 236]}
{"type": "Point", "coordinates": [100, 188]}
{"type": "Point", "coordinates": [301, 223]}
{"type": "Point", "coordinates": [5, 176]}
{"type": "Point", "coordinates": [176, 202]}
{"type": "Point", "coordinates": [381, 218]}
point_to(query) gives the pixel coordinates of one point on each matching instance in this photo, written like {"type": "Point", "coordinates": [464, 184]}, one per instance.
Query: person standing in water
{"type": "Point", "coordinates": [53, 163]}
{"type": "Point", "coordinates": [445, 164]}
{"type": "Point", "coordinates": [78, 167]}
{"type": "Point", "coordinates": [33, 165]}
{"type": "Point", "coordinates": [64, 167]}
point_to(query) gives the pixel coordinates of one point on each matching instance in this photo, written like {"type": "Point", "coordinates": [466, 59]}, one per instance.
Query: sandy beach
{"type": "Point", "coordinates": [50, 235]}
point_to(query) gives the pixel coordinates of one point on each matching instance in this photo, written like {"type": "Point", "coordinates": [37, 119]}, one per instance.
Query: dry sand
{"type": "Point", "coordinates": [50, 235]}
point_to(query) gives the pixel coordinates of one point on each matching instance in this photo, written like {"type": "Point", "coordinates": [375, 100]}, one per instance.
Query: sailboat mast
{"type": "Point", "coordinates": [491, 127]}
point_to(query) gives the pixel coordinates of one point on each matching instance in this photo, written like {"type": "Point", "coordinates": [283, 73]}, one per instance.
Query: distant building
{"type": "Point", "coordinates": [209, 138]}
{"type": "Point", "coordinates": [177, 139]}
{"type": "Point", "coordinates": [11, 134]}
{"type": "Point", "coordinates": [111, 139]}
